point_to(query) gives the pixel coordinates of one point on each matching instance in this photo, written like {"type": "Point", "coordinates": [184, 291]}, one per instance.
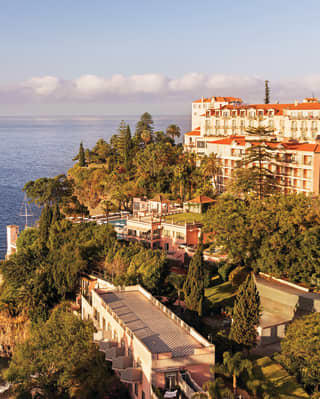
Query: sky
{"type": "Point", "coordinates": [103, 57]}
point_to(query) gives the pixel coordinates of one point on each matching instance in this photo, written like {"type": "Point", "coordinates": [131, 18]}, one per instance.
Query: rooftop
{"type": "Point", "coordinates": [152, 326]}
{"type": "Point", "coordinates": [294, 146]}
{"type": "Point", "coordinates": [202, 199]}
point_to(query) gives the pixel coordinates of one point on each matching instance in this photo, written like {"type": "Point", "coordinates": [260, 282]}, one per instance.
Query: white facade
{"type": "Point", "coordinates": [210, 119]}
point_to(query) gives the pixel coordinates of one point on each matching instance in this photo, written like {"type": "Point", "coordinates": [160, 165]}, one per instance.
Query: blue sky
{"type": "Point", "coordinates": [123, 56]}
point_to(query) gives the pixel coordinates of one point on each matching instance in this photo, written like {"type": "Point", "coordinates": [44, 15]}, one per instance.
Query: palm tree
{"type": "Point", "coordinates": [217, 389]}
{"type": "Point", "coordinates": [210, 166]}
{"type": "Point", "coordinates": [177, 281]}
{"type": "Point", "coordinates": [173, 131]}
{"type": "Point", "coordinates": [234, 366]}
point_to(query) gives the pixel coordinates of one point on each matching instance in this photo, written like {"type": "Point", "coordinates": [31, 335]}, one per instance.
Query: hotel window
{"type": "Point", "coordinates": [234, 114]}
{"type": "Point", "coordinates": [233, 123]}
{"type": "Point", "coordinates": [243, 114]}
{"type": "Point", "coordinates": [307, 159]}
{"type": "Point", "coordinates": [242, 123]}
{"type": "Point", "coordinates": [136, 389]}
{"type": "Point", "coordinates": [143, 395]}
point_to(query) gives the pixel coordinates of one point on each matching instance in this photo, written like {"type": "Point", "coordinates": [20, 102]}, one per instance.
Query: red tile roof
{"type": "Point", "coordinates": [218, 99]}
{"type": "Point", "coordinates": [241, 141]}
{"type": "Point", "coordinates": [304, 106]}
{"type": "Point", "coordinates": [193, 133]}
{"type": "Point", "coordinates": [202, 199]}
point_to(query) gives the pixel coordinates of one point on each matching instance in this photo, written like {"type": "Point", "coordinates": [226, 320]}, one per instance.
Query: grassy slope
{"type": "Point", "coordinates": [287, 385]}
{"type": "Point", "coordinates": [220, 293]}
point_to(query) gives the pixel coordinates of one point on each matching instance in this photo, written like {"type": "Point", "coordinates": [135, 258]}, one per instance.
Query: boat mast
{"type": "Point", "coordinates": [25, 210]}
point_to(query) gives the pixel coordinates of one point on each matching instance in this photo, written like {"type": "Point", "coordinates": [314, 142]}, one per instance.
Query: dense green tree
{"type": "Point", "coordinates": [56, 190]}
{"type": "Point", "coordinates": [146, 267]}
{"type": "Point", "coordinates": [47, 361]}
{"type": "Point", "coordinates": [193, 287]}
{"type": "Point", "coordinates": [246, 314]}
{"type": "Point", "coordinates": [44, 224]}
{"type": "Point", "coordinates": [101, 152]}
{"type": "Point", "coordinates": [300, 350]}
{"type": "Point", "coordinates": [173, 131]}
{"type": "Point", "coordinates": [145, 123]}
{"type": "Point", "coordinates": [82, 160]}
{"type": "Point", "coordinates": [217, 389]}
{"type": "Point", "coordinates": [233, 366]}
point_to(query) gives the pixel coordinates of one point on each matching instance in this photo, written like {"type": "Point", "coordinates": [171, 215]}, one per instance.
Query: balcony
{"type": "Point", "coordinates": [188, 386]}
{"type": "Point", "coordinates": [122, 362]}
{"type": "Point", "coordinates": [113, 353]}
{"type": "Point", "coordinates": [131, 375]}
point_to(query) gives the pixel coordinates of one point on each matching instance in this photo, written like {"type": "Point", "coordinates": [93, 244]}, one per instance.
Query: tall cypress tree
{"type": "Point", "coordinates": [193, 287]}
{"type": "Point", "coordinates": [246, 314]}
{"type": "Point", "coordinates": [82, 160]}
{"type": "Point", "coordinates": [267, 92]}
{"type": "Point", "coordinates": [44, 224]}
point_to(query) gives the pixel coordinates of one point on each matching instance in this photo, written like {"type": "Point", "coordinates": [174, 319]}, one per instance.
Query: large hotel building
{"type": "Point", "coordinates": [219, 125]}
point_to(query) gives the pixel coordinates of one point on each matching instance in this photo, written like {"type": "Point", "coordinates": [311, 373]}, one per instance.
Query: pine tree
{"type": "Point", "coordinates": [145, 123]}
{"type": "Point", "coordinates": [193, 287]}
{"type": "Point", "coordinates": [82, 160]}
{"type": "Point", "coordinates": [256, 157]}
{"type": "Point", "coordinates": [246, 314]}
{"type": "Point", "coordinates": [267, 92]}
{"type": "Point", "coordinates": [124, 144]}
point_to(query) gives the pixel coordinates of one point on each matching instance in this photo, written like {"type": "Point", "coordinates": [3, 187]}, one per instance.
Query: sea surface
{"type": "Point", "coordinates": [34, 147]}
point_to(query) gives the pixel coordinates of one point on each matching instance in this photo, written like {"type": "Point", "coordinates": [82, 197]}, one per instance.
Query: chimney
{"type": "Point", "coordinates": [295, 102]}
{"type": "Point", "coordinates": [12, 236]}
{"type": "Point", "coordinates": [202, 99]}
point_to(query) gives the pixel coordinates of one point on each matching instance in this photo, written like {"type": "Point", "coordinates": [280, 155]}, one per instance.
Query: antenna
{"type": "Point", "coordinates": [25, 210]}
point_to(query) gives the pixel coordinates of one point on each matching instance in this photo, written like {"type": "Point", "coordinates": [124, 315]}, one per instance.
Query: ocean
{"type": "Point", "coordinates": [34, 147]}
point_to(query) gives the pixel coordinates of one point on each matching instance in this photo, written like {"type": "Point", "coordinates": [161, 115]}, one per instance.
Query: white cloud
{"type": "Point", "coordinates": [154, 87]}
{"type": "Point", "coordinates": [43, 86]}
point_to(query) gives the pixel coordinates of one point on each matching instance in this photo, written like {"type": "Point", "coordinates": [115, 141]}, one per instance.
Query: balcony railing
{"type": "Point", "coordinates": [188, 385]}
{"type": "Point", "coordinates": [113, 353]}
{"type": "Point", "coordinates": [131, 375]}
{"type": "Point", "coordinates": [122, 362]}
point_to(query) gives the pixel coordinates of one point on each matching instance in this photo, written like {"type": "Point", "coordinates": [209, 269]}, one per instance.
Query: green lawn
{"type": "Point", "coordinates": [287, 385]}
{"type": "Point", "coordinates": [188, 217]}
{"type": "Point", "coordinates": [220, 293]}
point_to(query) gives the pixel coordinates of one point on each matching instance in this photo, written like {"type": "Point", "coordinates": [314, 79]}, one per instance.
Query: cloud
{"type": "Point", "coordinates": [154, 87]}
{"type": "Point", "coordinates": [43, 86]}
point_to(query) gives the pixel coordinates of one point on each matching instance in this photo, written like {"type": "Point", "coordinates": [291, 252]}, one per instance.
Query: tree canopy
{"type": "Point", "coordinates": [59, 359]}
{"type": "Point", "coordinates": [300, 350]}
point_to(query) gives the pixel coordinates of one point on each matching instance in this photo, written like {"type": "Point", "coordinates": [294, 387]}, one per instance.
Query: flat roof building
{"type": "Point", "coordinates": [149, 346]}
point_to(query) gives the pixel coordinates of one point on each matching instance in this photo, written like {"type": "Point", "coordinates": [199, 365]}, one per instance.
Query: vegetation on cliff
{"type": "Point", "coordinates": [147, 163]}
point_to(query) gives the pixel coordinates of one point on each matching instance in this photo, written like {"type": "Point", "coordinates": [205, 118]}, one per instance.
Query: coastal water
{"type": "Point", "coordinates": [34, 147]}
